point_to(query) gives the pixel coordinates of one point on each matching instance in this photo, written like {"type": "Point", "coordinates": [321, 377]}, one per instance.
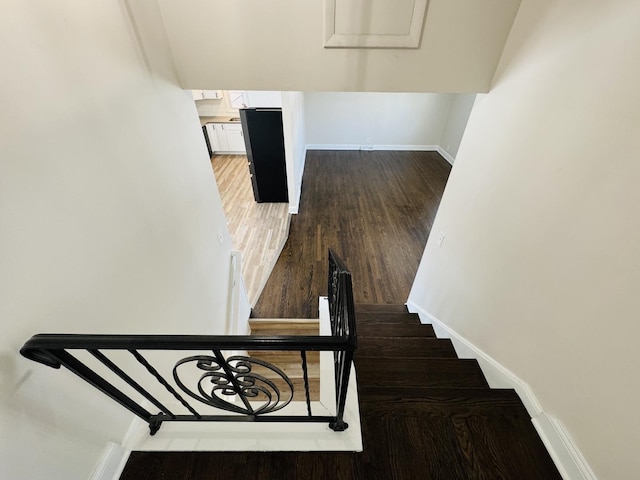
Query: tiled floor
{"type": "Point", "coordinates": [259, 230]}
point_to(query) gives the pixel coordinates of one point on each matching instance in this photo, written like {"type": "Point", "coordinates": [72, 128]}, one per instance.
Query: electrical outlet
{"type": "Point", "coordinates": [440, 238]}
{"type": "Point", "coordinates": [220, 238]}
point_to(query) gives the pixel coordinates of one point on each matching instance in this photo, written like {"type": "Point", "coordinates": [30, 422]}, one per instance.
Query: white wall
{"type": "Point", "coordinates": [540, 266]}
{"type": "Point", "coordinates": [456, 123]}
{"type": "Point", "coordinates": [108, 212]}
{"type": "Point", "coordinates": [293, 124]}
{"type": "Point", "coordinates": [375, 119]}
{"type": "Point", "coordinates": [278, 45]}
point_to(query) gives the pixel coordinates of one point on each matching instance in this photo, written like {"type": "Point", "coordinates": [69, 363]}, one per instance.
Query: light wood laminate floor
{"type": "Point", "coordinates": [258, 230]}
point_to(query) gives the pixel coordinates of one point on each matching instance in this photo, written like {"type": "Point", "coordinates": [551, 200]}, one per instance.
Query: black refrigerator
{"type": "Point", "coordinates": [263, 137]}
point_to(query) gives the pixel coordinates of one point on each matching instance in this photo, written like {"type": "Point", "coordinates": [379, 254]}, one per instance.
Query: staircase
{"type": "Point", "coordinates": [444, 419]}
{"type": "Point", "coordinates": [289, 362]}
{"type": "Point", "coordinates": [425, 414]}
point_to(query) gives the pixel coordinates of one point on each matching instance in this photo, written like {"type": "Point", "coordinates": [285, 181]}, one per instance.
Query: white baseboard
{"type": "Point", "coordinates": [447, 156]}
{"type": "Point", "coordinates": [564, 452]}
{"type": "Point", "coordinates": [562, 448]}
{"type": "Point", "coordinates": [111, 464]}
{"type": "Point", "coordinates": [401, 148]}
{"type": "Point", "coordinates": [333, 146]}
{"type": "Point", "coordinates": [407, 148]}
{"type": "Point", "coordinates": [353, 146]}
{"type": "Point", "coordinates": [496, 374]}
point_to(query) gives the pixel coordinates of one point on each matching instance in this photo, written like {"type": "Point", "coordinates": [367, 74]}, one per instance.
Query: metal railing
{"type": "Point", "coordinates": [244, 387]}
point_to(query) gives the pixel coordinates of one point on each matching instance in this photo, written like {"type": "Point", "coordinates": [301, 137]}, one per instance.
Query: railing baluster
{"type": "Point", "coordinates": [130, 381]}
{"type": "Point", "coordinates": [305, 374]}
{"type": "Point", "coordinates": [340, 425]}
{"type": "Point", "coordinates": [162, 381]}
{"type": "Point", "coordinates": [218, 377]}
{"type": "Point", "coordinates": [232, 378]}
{"type": "Point", "coordinates": [88, 375]}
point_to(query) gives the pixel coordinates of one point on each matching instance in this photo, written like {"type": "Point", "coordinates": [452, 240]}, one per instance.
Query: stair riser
{"type": "Point", "coordinates": [284, 328]}
{"type": "Point", "coordinates": [277, 357]}
{"type": "Point", "coordinates": [418, 408]}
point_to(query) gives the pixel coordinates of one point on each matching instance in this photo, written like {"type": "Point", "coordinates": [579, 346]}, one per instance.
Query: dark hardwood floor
{"type": "Point", "coordinates": [425, 414]}
{"type": "Point", "coordinates": [442, 422]}
{"type": "Point", "coordinates": [375, 209]}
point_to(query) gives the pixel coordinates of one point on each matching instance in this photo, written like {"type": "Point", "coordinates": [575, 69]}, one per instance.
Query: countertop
{"type": "Point", "coordinates": [221, 119]}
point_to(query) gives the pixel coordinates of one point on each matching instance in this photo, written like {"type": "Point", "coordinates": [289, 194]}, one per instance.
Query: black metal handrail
{"type": "Point", "coordinates": [260, 387]}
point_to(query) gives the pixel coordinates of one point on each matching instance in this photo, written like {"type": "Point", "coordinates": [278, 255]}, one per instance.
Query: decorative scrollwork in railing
{"type": "Point", "coordinates": [246, 386]}
{"type": "Point", "coordinates": [236, 376]}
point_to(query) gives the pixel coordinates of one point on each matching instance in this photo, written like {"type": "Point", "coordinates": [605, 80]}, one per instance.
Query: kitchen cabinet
{"type": "Point", "coordinates": [234, 137]}
{"type": "Point", "coordinates": [212, 135]}
{"type": "Point", "coordinates": [225, 137]}
{"type": "Point", "coordinates": [206, 94]}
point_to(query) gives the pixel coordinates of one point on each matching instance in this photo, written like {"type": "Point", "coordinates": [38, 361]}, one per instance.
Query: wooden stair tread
{"type": "Point", "coordinates": [462, 445]}
{"type": "Point", "coordinates": [416, 347]}
{"type": "Point", "coordinates": [418, 400]}
{"type": "Point", "coordinates": [407, 318]}
{"type": "Point", "coordinates": [424, 372]}
{"type": "Point", "coordinates": [391, 329]}
{"type": "Point", "coordinates": [360, 308]}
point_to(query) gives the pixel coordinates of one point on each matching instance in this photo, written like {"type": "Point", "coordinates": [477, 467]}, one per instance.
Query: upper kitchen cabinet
{"type": "Point", "coordinates": [206, 94]}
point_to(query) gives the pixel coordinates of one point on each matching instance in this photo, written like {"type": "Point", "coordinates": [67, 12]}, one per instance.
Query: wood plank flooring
{"type": "Point", "coordinates": [456, 428]}
{"type": "Point", "coordinates": [425, 414]}
{"type": "Point", "coordinates": [258, 230]}
{"type": "Point", "coordinates": [375, 209]}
